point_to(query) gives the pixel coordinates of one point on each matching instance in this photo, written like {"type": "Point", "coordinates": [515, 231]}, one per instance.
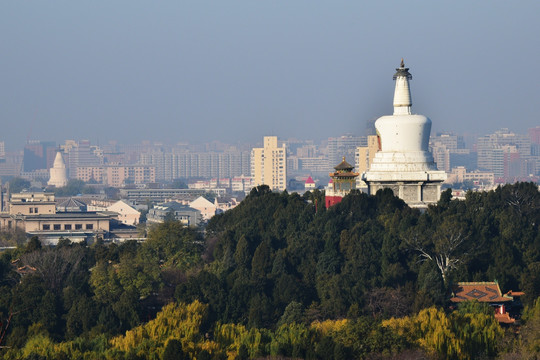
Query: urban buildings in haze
{"type": "Point", "coordinates": [506, 154]}
{"type": "Point", "coordinates": [487, 160]}
{"type": "Point", "coordinates": [117, 175]}
{"type": "Point", "coordinates": [80, 153]}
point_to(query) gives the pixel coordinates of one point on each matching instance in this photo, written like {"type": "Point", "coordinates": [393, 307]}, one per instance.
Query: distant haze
{"type": "Point", "coordinates": [235, 71]}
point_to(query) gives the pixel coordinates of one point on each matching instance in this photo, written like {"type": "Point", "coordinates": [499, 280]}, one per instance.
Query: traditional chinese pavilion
{"type": "Point", "coordinates": [506, 306]}
{"type": "Point", "coordinates": [343, 180]}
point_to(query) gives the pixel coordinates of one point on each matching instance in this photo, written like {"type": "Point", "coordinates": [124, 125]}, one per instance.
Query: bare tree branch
{"type": "Point", "coordinates": [55, 265]}
{"type": "Point", "coordinates": [444, 249]}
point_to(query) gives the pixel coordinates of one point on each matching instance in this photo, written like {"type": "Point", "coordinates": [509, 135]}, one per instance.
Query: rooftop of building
{"type": "Point", "coordinates": [71, 205]}
{"type": "Point", "coordinates": [344, 166]}
{"type": "Point", "coordinates": [71, 216]}
{"type": "Point", "coordinates": [31, 197]}
{"type": "Point", "coordinates": [173, 205]}
{"type": "Point", "coordinates": [481, 291]}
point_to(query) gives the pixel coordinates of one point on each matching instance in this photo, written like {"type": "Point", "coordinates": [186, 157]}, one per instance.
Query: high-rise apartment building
{"type": "Point", "coordinates": [448, 147]}
{"type": "Point", "coordinates": [344, 146]}
{"type": "Point", "coordinates": [117, 175]}
{"type": "Point", "coordinates": [364, 156]}
{"type": "Point", "coordinates": [307, 159]}
{"type": "Point", "coordinates": [80, 154]}
{"type": "Point", "coordinates": [38, 155]}
{"type": "Point", "coordinates": [184, 164]}
{"type": "Point", "coordinates": [534, 136]}
{"type": "Point", "coordinates": [269, 164]}
{"type": "Point", "coordinates": [505, 154]}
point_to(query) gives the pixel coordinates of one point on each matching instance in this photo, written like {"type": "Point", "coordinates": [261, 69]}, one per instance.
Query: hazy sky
{"type": "Point", "coordinates": [234, 71]}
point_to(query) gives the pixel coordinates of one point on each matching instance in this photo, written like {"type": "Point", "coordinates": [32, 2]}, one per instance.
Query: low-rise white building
{"type": "Point", "coordinates": [459, 174]}
{"type": "Point", "coordinates": [127, 214]}
{"type": "Point", "coordinates": [242, 184]}
{"type": "Point", "coordinates": [183, 213]}
{"type": "Point", "coordinates": [207, 208]}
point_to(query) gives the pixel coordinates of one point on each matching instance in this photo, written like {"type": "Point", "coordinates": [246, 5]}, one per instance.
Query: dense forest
{"type": "Point", "coordinates": [280, 276]}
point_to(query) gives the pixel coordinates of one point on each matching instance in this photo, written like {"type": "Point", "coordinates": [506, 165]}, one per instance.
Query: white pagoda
{"type": "Point", "coordinates": [404, 163]}
{"type": "Point", "coordinates": [58, 173]}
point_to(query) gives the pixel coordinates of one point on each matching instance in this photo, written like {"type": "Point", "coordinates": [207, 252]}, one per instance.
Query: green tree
{"type": "Point", "coordinates": [174, 244]}
{"type": "Point", "coordinates": [33, 245]}
{"type": "Point", "coordinates": [294, 313]}
{"type": "Point", "coordinates": [17, 184]}
{"type": "Point", "coordinates": [173, 351]}
{"type": "Point", "coordinates": [179, 184]}
{"type": "Point", "coordinates": [74, 187]}
{"type": "Point", "coordinates": [81, 317]}
{"type": "Point", "coordinates": [12, 237]}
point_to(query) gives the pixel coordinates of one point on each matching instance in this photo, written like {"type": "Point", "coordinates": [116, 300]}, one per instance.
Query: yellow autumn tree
{"type": "Point", "coordinates": [329, 327]}
{"type": "Point", "coordinates": [175, 321]}
{"type": "Point", "coordinates": [478, 334]}
{"type": "Point", "coordinates": [458, 336]}
{"type": "Point", "coordinates": [288, 338]}
{"type": "Point", "coordinates": [232, 336]}
{"type": "Point", "coordinates": [430, 329]}
{"type": "Point", "coordinates": [40, 345]}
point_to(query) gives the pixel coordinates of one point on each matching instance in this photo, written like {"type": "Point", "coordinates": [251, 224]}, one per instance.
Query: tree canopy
{"type": "Point", "coordinates": [280, 275]}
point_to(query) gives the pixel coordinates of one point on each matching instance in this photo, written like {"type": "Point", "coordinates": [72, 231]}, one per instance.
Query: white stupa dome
{"type": "Point", "coordinates": [404, 163]}
{"type": "Point", "coordinates": [58, 173]}
{"type": "Point", "coordinates": [404, 136]}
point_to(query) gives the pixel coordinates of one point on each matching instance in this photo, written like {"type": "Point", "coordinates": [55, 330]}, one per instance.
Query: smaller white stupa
{"type": "Point", "coordinates": [58, 173]}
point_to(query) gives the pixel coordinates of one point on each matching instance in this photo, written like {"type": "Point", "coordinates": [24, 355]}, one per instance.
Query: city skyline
{"type": "Point", "coordinates": [201, 71]}
{"type": "Point", "coordinates": [470, 141]}
{"type": "Point", "coordinates": [509, 156]}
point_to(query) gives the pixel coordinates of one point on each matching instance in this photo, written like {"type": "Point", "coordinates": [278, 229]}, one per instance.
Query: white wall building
{"type": "Point", "coordinates": [207, 208]}
{"type": "Point", "coordinates": [127, 214]}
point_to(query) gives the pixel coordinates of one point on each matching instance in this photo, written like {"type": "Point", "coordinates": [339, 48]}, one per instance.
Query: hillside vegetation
{"type": "Point", "coordinates": [280, 275]}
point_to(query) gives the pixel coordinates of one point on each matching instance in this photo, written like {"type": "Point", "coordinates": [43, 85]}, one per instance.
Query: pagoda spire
{"type": "Point", "coordinates": [402, 92]}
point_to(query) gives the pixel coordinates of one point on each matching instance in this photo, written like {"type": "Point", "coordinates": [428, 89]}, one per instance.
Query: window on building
{"type": "Point", "coordinates": [78, 226]}
{"type": "Point", "coordinates": [31, 210]}
{"type": "Point", "coordinates": [57, 227]}
{"type": "Point", "coordinates": [67, 227]}
{"type": "Point", "coordinates": [46, 227]}
{"type": "Point", "coordinates": [35, 210]}
{"type": "Point", "coordinates": [89, 226]}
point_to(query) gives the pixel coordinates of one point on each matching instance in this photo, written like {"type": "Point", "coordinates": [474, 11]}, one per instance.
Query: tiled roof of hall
{"type": "Point", "coordinates": [344, 165]}
{"type": "Point", "coordinates": [481, 291]}
{"type": "Point", "coordinates": [173, 205]}
{"type": "Point", "coordinates": [71, 205]}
